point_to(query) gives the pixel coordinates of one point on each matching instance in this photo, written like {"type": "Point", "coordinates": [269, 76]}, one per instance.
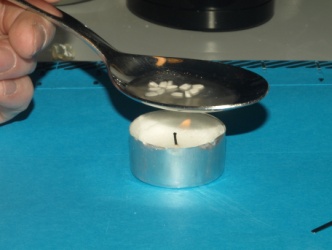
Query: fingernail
{"type": "Point", "coordinates": [8, 87]}
{"type": "Point", "coordinates": [40, 37]}
{"type": "Point", "coordinates": [8, 60]}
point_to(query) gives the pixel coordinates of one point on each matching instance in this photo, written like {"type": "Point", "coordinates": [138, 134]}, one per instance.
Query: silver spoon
{"type": "Point", "coordinates": [168, 83]}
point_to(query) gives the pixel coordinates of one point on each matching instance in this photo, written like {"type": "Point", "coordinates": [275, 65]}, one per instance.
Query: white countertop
{"type": "Point", "coordinates": [298, 31]}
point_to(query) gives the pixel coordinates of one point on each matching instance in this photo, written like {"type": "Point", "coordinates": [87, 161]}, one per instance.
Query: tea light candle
{"type": "Point", "coordinates": [177, 149]}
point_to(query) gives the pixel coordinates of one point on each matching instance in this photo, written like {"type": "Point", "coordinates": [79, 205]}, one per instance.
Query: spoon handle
{"type": "Point", "coordinates": [69, 23]}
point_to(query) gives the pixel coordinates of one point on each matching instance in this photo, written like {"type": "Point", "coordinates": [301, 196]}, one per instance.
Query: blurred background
{"type": "Point", "coordinates": [298, 30]}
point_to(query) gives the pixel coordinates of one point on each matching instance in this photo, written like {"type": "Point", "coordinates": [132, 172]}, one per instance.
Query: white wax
{"type": "Point", "coordinates": [192, 129]}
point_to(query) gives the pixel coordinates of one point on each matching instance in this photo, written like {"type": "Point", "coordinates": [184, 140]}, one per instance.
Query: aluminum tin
{"type": "Point", "coordinates": [178, 167]}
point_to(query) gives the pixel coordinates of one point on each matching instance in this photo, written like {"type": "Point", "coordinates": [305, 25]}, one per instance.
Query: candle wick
{"type": "Point", "coordinates": [175, 139]}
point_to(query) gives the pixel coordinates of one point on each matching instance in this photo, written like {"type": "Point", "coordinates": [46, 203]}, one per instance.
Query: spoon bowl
{"type": "Point", "coordinates": [176, 84]}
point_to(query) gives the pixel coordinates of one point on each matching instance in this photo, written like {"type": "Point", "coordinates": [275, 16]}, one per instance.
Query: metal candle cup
{"type": "Point", "coordinates": [176, 149]}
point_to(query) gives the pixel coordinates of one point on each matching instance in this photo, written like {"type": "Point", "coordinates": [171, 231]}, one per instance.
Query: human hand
{"type": "Point", "coordinates": [22, 35]}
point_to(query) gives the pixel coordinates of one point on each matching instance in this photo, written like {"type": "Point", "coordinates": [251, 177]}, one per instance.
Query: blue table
{"type": "Point", "coordinates": [65, 181]}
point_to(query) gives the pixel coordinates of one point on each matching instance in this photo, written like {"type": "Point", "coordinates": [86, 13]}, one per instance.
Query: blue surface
{"type": "Point", "coordinates": [65, 181]}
